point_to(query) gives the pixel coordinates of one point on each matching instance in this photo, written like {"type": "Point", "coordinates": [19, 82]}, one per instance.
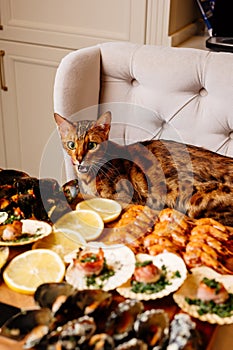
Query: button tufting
{"type": "Point", "coordinates": [231, 135]}
{"type": "Point", "coordinates": [134, 82]}
{"type": "Point", "coordinates": [203, 92]}
{"type": "Point", "coordinates": [164, 125]}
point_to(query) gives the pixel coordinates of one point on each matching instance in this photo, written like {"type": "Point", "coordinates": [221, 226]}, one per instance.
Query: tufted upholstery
{"type": "Point", "coordinates": [153, 92]}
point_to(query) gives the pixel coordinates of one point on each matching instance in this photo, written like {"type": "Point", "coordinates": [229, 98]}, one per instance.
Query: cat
{"type": "Point", "coordinates": [155, 173]}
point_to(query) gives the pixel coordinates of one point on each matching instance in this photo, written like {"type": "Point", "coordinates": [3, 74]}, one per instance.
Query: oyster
{"type": "Point", "coordinates": [152, 326]}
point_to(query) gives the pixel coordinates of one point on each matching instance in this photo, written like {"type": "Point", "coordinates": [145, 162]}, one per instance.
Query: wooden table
{"type": "Point", "coordinates": [222, 338]}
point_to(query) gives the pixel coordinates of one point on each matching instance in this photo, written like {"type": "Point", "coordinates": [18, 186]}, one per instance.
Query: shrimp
{"type": "Point", "coordinates": [211, 230]}
{"type": "Point", "coordinates": [211, 222]}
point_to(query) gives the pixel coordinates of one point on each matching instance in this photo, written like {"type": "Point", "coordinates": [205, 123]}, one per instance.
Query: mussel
{"type": "Point", "coordinates": [183, 334]}
{"type": "Point", "coordinates": [20, 325]}
{"type": "Point", "coordinates": [51, 295]}
{"type": "Point", "coordinates": [152, 326]}
{"type": "Point", "coordinates": [73, 335]}
{"type": "Point", "coordinates": [120, 322]}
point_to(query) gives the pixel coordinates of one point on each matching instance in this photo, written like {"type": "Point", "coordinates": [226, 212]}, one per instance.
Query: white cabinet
{"type": "Point", "coordinates": [27, 105]}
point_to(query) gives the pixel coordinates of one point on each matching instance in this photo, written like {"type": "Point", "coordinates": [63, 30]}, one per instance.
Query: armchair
{"type": "Point", "coordinates": [153, 92]}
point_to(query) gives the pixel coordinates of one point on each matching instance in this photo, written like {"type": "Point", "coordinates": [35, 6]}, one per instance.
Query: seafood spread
{"type": "Point", "coordinates": [94, 320]}
{"type": "Point", "coordinates": [99, 266]}
{"type": "Point", "coordinates": [168, 276]}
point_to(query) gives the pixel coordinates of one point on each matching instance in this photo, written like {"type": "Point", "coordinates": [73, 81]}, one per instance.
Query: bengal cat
{"type": "Point", "coordinates": [156, 173]}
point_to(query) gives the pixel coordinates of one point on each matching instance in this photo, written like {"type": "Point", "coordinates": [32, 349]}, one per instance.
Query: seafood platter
{"type": "Point", "coordinates": [147, 281]}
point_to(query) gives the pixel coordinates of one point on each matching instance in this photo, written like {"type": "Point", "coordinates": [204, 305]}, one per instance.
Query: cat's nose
{"type": "Point", "coordinates": [82, 168]}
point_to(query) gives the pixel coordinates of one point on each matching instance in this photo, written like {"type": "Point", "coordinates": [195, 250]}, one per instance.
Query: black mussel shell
{"type": "Point", "coordinates": [18, 326]}
{"type": "Point", "coordinates": [120, 322]}
{"type": "Point", "coordinates": [152, 326]}
{"type": "Point", "coordinates": [47, 293]}
{"type": "Point", "coordinates": [9, 176]}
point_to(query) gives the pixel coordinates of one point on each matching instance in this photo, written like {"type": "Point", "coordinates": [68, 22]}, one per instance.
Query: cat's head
{"type": "Point", "coordinates": [85, 141]}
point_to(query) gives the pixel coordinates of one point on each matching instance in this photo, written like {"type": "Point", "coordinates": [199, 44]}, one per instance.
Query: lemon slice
{"type": "Point", "coordinates": [108, 209]}
{"type": "Point", "coordinates": [28, 270]}
{"type": "Point", "coordinates": [86, 223]}
{"type": "Point", "coordinates": [60, 243]}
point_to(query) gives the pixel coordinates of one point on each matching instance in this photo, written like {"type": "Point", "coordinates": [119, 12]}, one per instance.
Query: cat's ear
{"type": "Point", "coordinates": [59, 119]}
{"type": "Point", "coordinates": [63, 124]}
{"type": "Point", "coordinates": [104, 121]}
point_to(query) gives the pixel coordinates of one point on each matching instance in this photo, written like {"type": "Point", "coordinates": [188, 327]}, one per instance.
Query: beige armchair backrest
{"type": "Point", "coordinates": [153, 92]}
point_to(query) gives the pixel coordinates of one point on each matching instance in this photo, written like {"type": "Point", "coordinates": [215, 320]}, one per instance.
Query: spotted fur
{"type": "Point", "coordinates": [158, 173]}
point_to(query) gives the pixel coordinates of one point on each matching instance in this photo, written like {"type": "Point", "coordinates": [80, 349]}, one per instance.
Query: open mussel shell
{"type": "Point", "coordinates": [20, 325]}
{"type": "Point", "coordinates": [51, 295]}
{"type": "Point", "coordinates": [152, 326]}
{"type": "Point", "coordinates": [85, 302]}
{"type": "Point", "coordinates": [120, 322]}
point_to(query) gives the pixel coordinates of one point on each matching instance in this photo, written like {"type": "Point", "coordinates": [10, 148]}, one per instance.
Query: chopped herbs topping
{"type": "Point", "coordinates": [210, 307]}
{"type": "Point", "coordinates": [213, 284]}
{"type": "Point", "coordinates": [143, 263]}
{"type": "Point", "coordinates": [97, 280]}
{"type": "Point", "coordinates": [12, 218]}
{"type": "Point", "coordinates": [154, 287]}
{"type": "Point", "coordinates": [90, 258]}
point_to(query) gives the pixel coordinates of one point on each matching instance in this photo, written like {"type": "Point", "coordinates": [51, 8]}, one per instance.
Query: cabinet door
{"type": "Point", "coordinates": [27, 105]}
{"type": "Point", "coordinates": [73, 23]}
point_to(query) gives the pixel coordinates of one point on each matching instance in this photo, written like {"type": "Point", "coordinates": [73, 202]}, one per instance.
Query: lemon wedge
{"type": "Point", "coordinates": [108, 209]}
{"type": "Point", "coordinates": [86, 223]}
{"type": "Point", "coordinates": [28, 270]}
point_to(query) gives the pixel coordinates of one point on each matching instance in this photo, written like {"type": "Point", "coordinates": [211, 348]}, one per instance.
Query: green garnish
{"type": "Point", "coordinates": [97, 280]}
{"type": "Point", "coordinates": [154, 287]}
{"type": "Point", "coordinates": [213, 284]}
{"type": "Point", "coordinates": [210, 307]}
{"type": "Point", "coordinates": [143, 263]}
{"type": "Point", "coordinates": [90, 258]}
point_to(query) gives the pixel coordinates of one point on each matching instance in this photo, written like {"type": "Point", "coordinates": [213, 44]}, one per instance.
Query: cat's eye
{"type": "Point", "coordinates": [71, 144]}
{"type": "Point", "coordinates": [91, 145]}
